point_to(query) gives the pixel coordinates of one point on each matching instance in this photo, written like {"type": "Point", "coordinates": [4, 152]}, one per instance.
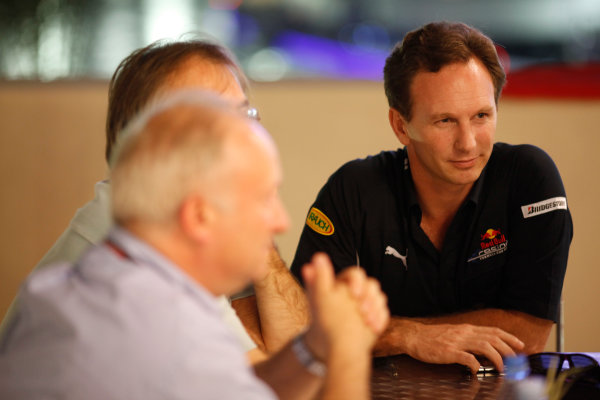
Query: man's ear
{"type": "Point", "coordinates": [195, 217]}
{"type": "Point", "coordinates": [399, 126]}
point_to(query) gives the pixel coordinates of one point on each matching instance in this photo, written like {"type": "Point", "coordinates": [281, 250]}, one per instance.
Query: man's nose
{"type": "Point", "coordinates": [465, 137]}
{"type": "Point", "coordinates": [281, 219]}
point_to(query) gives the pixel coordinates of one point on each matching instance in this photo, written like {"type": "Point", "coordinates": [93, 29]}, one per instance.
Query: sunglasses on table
{"type": "Point", "coordinates": [541, 363]}
{"type": "Point", "coordinates": [572, 375]}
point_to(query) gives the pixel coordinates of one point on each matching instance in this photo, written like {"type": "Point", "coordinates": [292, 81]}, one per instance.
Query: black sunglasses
{"type": "Point", "coordinates": [540, 363]}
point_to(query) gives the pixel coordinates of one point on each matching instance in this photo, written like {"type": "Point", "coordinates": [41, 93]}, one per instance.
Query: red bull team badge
{"type": "Point", "coordinates": [318, 222]}
{"type": "Point", "coordinates": [490, 234]}
{"type": "Point", "coordinates": [493, 242]}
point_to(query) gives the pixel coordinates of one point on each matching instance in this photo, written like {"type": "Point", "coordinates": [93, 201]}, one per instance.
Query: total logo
{"type": "Point", "coordinates": [493, 242]}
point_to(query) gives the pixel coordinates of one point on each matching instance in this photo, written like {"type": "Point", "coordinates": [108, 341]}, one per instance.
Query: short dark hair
{"type": "Point", "coordinates": [430, 48]}
{"type": "Point", "coordinates": [142, 73]}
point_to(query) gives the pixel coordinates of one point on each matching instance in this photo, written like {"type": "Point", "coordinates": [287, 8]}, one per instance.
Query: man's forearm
{"type": "Point", "coordinates": [532, 331]}
{"type": "Point", "coordinates": [348, 373]}
{"type": "Point", "coordinates": [348, 315]}
{"type": "Point", "coordinates": [282, 305]}
{"type": "Point", "coordinates": [402, 332]}
{"type": "Point", "coordinates": [287, 377]}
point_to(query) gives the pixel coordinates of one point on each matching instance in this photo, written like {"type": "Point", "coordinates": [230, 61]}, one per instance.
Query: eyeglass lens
{"type": "Point", "coordinates": [253, 114]}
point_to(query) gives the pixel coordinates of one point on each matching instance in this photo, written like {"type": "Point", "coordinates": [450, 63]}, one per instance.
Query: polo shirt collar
{"type": "Point", "coordinates": [408, 185]}
{"type": "Point", "coordinates": [475, 193]}
{"type": "Point", "coordinates": [143, 254]}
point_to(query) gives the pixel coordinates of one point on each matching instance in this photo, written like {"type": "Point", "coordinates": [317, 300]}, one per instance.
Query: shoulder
{"type": "Point", "coordinates": [372, 164]}
{"type": "Point", "coordinates": [522, 155]}
{"type": "Point", "coordinates": [46, 281]}
{"type": "Point", "coordinates": [528, 171]}
{"type": "Point", "coordinates": [89, 226]}
{"type": "Point", "coordinates": [361, 183]}
{"type": "Point", "coordinates": [369, 171]}
{"type": "Point", "coordinates": [93, 311]}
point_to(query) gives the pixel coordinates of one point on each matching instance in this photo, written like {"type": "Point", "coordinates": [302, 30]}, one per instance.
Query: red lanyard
{"type": "Point", "coordinates": [118, 250]}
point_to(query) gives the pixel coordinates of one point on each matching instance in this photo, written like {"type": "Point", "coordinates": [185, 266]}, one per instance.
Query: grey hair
{"type": "Point", "coordinates": [172, 149]}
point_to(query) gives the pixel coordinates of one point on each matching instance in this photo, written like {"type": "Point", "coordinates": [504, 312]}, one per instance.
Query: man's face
{"type": "Point", "coordinates": [253, 212]}
{"type": "Point", "coordinates": [450, 136]}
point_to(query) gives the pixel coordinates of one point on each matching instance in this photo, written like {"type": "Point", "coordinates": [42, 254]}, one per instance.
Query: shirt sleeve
{"type": "Point", "coordinates": [541, 232]}
{"type": "Point", "coordinates": [89, 225]}
{"type": "Point", "coordinates": [69, 247]}
{"type": "Point", "coordinates": [232, 320]}
{"type": "Point", "coordinates": [247, 292]}
{"type": "Point", "coordinates": [330, 224]}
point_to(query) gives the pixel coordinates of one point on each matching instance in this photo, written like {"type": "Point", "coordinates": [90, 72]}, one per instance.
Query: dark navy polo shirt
{"type": "Point", "coordinates": [506, 247]}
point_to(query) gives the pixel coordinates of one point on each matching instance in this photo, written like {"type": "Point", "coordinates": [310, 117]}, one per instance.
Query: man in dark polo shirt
{"type": "Point", "coordinates": [468, 238]}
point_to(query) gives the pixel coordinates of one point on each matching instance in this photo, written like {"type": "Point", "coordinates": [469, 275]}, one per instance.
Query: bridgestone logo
{"type": "Point", "coordinates": [542, 207]}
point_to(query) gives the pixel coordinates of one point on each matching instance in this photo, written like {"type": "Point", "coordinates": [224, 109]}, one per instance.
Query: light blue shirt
{"type": "Point", "coordinates": [89, 226]}
{"type": "Point", "coordinates": [114, 327]}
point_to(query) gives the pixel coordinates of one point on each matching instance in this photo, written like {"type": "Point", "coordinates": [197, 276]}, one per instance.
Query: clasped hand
{"type": "Point", "coordinates": [349, 311]}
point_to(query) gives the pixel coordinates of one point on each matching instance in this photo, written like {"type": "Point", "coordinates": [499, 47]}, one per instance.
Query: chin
{"type": "Point", "coordinates": [466, 180]}
{"type": "Point", "coordinates": [466, 177]}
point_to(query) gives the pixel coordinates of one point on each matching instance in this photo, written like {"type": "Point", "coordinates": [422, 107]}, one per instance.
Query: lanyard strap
{"type": "Point", "coordinates": [117, 249]}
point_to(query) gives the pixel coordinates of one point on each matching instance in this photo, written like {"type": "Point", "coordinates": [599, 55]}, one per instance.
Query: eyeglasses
{"type": "Point", "coordinates": [540, 363]}
{"type": "Point", "coordinates": [253, 113]}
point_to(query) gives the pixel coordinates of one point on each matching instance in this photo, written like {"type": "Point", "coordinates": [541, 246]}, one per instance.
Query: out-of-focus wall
{"type": "Point", "coordinates": [52, 143]}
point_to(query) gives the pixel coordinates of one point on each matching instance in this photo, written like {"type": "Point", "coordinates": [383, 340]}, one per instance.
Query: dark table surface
{"type": "Point", "coordinates": [402, 377]}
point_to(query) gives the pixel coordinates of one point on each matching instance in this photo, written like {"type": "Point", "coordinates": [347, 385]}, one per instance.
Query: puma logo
{"type": "Point", "coordinates": [393, 252]}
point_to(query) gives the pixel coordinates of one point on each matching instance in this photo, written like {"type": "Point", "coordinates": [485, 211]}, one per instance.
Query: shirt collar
{"type": "Point", "coordinates": [408, 186]}
{"type": "Point", "coordinates": [143, 254]}
{"type": "Point", "coordinates": [475, 193]}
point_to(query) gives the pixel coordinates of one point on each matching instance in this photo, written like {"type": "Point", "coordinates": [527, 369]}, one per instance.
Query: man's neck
{"type": "Point", "coordinates": [439, 202]}
{"type": "Point", "coordinates": [168, 240]}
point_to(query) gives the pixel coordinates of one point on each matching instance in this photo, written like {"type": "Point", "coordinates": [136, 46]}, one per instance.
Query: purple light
{"type": "Point", "coordinates": [331, 58]}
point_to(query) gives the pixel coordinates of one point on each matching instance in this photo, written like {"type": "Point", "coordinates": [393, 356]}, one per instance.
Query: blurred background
{"type": "Point", "coordinates": [316, 67]}
{"type": "Point", "coordinates": [280, 39]}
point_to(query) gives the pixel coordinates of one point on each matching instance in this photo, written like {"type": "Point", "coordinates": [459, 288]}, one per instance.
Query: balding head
{"type": "Point", "coordinates": [197, 170]}
{"type": "Point", "coordinates": [171, 150]}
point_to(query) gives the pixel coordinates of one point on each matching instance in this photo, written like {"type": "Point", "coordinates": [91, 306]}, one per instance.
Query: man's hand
{"type": "Point", "coordinates": [368, 293]}
{"type": "Point", "coordinates": [349, 312]}
{"type": "Point", "coordinates": [452, 343]}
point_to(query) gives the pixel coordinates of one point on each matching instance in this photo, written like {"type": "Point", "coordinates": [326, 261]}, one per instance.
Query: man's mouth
{"type": "Point", "coordinates": [464, 163]}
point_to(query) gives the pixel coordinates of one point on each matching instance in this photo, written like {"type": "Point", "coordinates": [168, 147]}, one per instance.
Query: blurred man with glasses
{"type": "Point", "coordinates": [277, 310]}
{"type": "Point", "coordinates": [195, 202]}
